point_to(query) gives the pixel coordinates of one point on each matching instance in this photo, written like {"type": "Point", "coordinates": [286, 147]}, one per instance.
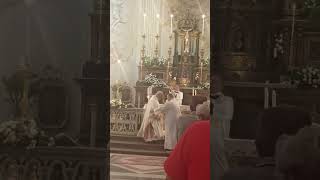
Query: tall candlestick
{"type": "Point", "coordinates": [158, 23]}
{"type": "Point", "coordinates": [171, 23]}
{"type": "Point", "coordinates": [144, 23]}
{"type": "Point", "coordinates": [266, 96]}
{"type": "Point", "coordinates": [203, 16]}
{"type": "Point", "coordinates": [201, 72]}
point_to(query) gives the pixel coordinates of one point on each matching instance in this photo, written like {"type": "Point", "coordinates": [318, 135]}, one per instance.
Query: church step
{"type": "Point", "coordinates": [139, 152]}
{"type": "Point", "coordinates": [135, 145]}
{"type": "Point", "coordinates": [133, 139]}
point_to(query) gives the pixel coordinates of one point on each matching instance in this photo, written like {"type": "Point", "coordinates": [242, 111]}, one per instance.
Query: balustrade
{"type": "Point", "coordinates": [125, 121]}
{"type": "Point", "coordinates": [53, 163]}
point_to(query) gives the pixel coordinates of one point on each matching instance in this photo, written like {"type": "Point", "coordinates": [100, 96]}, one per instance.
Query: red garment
{"type": "Point", "coordinates": [190, 160]}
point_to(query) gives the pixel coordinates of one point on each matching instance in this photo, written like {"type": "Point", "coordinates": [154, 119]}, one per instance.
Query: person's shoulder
{"type": "Point", "coordinates": [199, 125]}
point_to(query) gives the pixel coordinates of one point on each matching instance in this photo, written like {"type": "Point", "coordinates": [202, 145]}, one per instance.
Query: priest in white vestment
{"type": "Point", "coordinates": [172, 112]}
{"type": "Point", "coordinates": [223, 105]}
{"type": "Point", "coordinates": [152, 125]}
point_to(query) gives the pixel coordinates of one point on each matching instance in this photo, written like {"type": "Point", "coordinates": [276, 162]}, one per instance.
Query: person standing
{"type": "Point", "coordinates": [172, 112]}
{"type": "Point", "coordinates": [177, 94]}
{"type": "Point", "coordinates": [151, 127]}
{"type": "Point", "coordinates": [223, 105]}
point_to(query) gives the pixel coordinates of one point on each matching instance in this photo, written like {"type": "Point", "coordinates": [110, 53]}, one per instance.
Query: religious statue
{"type": "Point", "coordinates": [238, 44]}
{"type": "Point", "coordinates": [186, 42]}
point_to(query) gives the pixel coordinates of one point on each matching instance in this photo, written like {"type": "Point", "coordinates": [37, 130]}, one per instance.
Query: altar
{"type": "Point", "coordinates": [177, 61]}
{"type": "Point", "coordinates": [186, 64]}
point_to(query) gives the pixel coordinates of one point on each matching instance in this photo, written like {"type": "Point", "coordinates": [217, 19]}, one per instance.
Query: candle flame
{"type": "Point", "coordinates": [144, 14]}
{"type": "Point", "coordinates": [158, 15]}
{"type": "Point", "coordinates": [203, 16]}
{"type": "Point", "coordinates": [171, 15]}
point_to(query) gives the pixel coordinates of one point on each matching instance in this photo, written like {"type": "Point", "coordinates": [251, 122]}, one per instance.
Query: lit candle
{"type": "Point", "coordinates": [158, 25]}
{"type": "Point", "coordinates": [144, 23]}
{"type": "Point", "coordinates": [171, 16]}
{"type": "Point", "coordinates": [274, 98]}
{"type": "Point", "coordinates": [203, 16]}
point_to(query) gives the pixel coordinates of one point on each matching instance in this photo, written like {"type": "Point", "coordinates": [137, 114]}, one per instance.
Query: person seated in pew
{"type": "Point", "coordinates": [272, 123]}
{"type": "Point", "coordinates": [298, 157]}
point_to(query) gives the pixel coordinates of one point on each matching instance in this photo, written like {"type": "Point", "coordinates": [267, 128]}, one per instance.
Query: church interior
{"type": "Point", "coordinates": [157, 45]}
{"type": "Point", "coordinates": [98, 89]}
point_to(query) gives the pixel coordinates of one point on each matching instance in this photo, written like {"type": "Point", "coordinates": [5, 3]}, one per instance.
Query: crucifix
{"type": "Point", "coordinates": [186, 38]}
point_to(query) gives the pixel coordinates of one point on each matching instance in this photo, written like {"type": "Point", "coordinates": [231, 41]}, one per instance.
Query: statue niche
{"type": "Point", "coordinates": [52, 115]}
{"type": "Point", "coordinates": [238, 41]}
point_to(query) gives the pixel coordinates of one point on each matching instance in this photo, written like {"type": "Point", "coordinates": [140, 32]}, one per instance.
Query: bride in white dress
{"type": "Point", "coordinates": [152, 125]}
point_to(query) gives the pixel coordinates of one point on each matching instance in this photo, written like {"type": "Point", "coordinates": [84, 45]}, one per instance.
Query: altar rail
{"type": "Point", "coordinates": [56, 163]}
{"type": "Point", "coordinates": [125, 121]}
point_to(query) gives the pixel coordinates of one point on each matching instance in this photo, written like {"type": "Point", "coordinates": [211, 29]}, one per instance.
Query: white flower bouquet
{"type": "Point", "coordinates": [154, 61]}
{"type": "Point", "coordinates": [154, 81]}
{"type": "Point", "coordinates": [20, 132]}
{"type": "Point", "coordinates": [205, 85]}
{"type": "Point", "coordinates": [206, 62]}
{"type": "Point", "coordinates": [305, 77]}
{"type": "Point", "coordinates": [117, 103]}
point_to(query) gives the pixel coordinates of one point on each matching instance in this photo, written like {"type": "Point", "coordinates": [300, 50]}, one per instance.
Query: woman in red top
{"type": "Point", "coordinates": [190, 160]}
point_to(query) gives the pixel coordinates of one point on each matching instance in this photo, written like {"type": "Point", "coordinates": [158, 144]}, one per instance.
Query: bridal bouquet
{"type": "Point", "coordinates": [306, 77]}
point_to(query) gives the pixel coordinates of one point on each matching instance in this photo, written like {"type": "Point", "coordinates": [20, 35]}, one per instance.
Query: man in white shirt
{"type": "Point", "coordinates": [223, 105]}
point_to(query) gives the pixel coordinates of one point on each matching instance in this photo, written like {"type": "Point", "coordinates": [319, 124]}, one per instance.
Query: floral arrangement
{"type": "Point", "coordinates": [152, 80]}
{"type": "Point", "coordinates": [206, 62]}
{"type": "Point", "coordinates": [22, 132]}
{"type": "Point", "coordinates": [154, 61]}
{"type": "Point", "coordinates": [197, 77]}
{"type": "Point", "coordinates": [278, 46]}
{"type": "Point", "coordinates": [305, 77]}
{"type": "Point", "coordinates": [116, 103]}
{"type": "Point", "coordinates": [205, 85]}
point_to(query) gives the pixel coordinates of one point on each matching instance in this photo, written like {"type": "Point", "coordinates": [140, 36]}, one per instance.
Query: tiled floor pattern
{"type": "Point", "coordinates": [136, 167]}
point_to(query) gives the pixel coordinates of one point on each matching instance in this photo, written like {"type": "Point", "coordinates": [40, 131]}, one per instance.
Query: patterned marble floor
{"type": "Point", "coordinates": [136, 167]}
